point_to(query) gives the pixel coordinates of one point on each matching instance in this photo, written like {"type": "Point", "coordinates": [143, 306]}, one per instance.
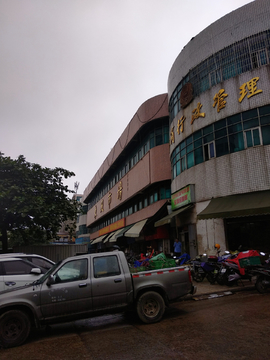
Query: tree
{"type": "Point", "coordinates": [34, 201]}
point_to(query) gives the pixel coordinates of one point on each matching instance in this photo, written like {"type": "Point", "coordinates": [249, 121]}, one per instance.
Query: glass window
{"type": "Point", "coordinates": [234, 119]}
{"type": "Point", "coordinates": [266, 135]}
{"type": "Point", "coordinates": [234, 128]}
{"type": "Point", "coordinates": [140, 205]}
{"type": "Point", "coordinates": [220, 124]}
{"type": "Point", "coordinates": [207, 130]}
{"type": "Point", "coordinates": [249, 114]}
{"type": "Point", "coordinates": [197, 143]}
{"type": "Point", "coordinates": [252, 137]}
{"type": "Point", "coordinates": [236, 142]}
{"type": "Point", "coordinates": [18, 267]}
{"type": "Point", "coordinates": [159, 139]}
{"type": "Point", "coordinates": [178, 169]}
{"type": "Point", "coordinates": [209, 151]}
{"type": "Point", "coordinates": [265, 120]}
{"type": "Point", "coordinates": [190, 160]}
{"type": "Point", "coordinates": [72, 271]}
{"type": "Point", "coordinates": [220, 133]}
{"type": "Point", "coordinates": [264, 110]}
{"type": "Point", "coordinates": [251, 123]}
{"type": "Point", "coordinates": [106, 266]}
{"type": "Point", "coordinates": [145, 203]}
{"type": "Point", "coordinates": [197, 135]}
{"type": "Point", "coordinates": [222, 147]}
{"type": "Point", "coordinates": [155, 197]}
{"type": "Point", "coordinates": [208, 138]}
{"type": "Point", "coordinates": [151, 199]}
{"type": "Point", "coordinates": [183, 164]}
{"type": "Point", "coordinates": [198, 154]}
{"type": "Point", "coordinates": [189, 140]}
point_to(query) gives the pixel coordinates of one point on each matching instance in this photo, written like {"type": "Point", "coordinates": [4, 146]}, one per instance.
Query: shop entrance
{"type": "Point", "coordinates": [251, 232]}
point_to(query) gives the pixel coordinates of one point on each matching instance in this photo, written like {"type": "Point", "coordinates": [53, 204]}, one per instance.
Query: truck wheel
{"type": "Point", "coordinates": [14, 328]}
{"type": "Point", "coordinates": [150, 307]}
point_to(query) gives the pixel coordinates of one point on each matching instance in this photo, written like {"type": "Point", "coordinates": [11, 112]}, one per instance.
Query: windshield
{"type": "Point", "coordinates": [47, 274]}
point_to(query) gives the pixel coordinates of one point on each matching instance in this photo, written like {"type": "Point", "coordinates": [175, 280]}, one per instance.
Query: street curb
{"type": "Point", "coordinates": [216, 294]}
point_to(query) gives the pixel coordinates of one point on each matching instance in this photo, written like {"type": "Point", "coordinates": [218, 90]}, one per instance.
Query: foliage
{"type": "Point", "coordinates": [34, 202]}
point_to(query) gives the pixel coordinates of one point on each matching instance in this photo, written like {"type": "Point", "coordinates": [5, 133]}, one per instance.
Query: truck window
{"type": "Point", "coordinates": [72, 271]}
{"type": "Point", "coordinates": [106, 266]}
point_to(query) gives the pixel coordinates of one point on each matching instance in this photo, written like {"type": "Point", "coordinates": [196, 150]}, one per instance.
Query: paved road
{"type": "Point", "coordinates": [230, 327]}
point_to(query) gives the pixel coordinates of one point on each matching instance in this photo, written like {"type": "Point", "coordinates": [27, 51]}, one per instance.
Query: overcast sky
{"type": "Point", "coordinates": [74, 72]}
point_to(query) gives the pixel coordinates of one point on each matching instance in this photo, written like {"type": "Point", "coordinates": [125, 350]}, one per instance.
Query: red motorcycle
{"type": "Point", "coordinates": [235, 268]}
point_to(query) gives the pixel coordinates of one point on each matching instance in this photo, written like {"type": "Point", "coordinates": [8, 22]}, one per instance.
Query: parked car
{"type": "Point", "coordinates": [89, 285]}
{"type": "Point", "coordinates": [38, 260]}
{"type": "Point", "coordinates": [15, 272]}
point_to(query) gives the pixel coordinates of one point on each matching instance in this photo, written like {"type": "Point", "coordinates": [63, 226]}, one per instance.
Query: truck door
{"type": "Point", "coordinates": [108, 283]}
{"type": "Point", "coordinates": [71, 291]}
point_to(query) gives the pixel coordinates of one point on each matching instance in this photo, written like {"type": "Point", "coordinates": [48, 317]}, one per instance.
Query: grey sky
{"type": "Point", "coordinates": [74, 72]}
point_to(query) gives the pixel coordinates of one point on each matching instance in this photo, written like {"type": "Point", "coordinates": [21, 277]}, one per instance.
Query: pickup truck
{"type": "Point", "coordinates": [85, 286]}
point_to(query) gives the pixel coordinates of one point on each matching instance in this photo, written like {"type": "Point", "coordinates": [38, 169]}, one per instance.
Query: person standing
{"type": "Point", "coordinates": [177, 248]}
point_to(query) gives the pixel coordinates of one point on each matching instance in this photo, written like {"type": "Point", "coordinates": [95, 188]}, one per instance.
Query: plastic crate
{"type": "Point", "coordinates": [157, 264]}
{"type": "Point", "coordinates": [251, 260]}
{"type": "Point", "coordinates": [161, 264]}
{"type": "Point", "coordinates": [138, 269]}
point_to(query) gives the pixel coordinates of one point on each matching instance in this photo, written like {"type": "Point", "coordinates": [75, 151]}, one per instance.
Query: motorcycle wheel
{"type": "Point", "coordinates": [198, 277]}
{"type": "Point", "coordinates": [259, 285]}
{"type": "Point", "coordinates": [211, 278]}
{"type": "Point", "coordinates": [229, 283]}
{"type": "Point", "coordinates": [220, 279]}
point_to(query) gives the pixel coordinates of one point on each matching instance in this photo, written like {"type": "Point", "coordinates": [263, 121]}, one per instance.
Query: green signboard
{"type": "Point", "coordinates": [182, 197]}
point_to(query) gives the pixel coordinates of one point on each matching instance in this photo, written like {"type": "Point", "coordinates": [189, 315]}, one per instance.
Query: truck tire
{"type": "Point", "coordinates": [15, 327]}
{"type": "Point", "coordinates": [150, 307]}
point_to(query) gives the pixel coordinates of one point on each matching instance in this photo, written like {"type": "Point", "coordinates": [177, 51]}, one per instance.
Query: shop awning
{"type": "Point", "coordinates": [167, 219]}
{"type": "Point", "coordinates": [123, 231]}
{"type": "Point", "coordinates": [109, 236]}
{"type": "Point", "coordinates": [255, 203]}
{"type": "Point", "coordinates": [99, 239]}
{"type": "Point", "coordinates": [118, 233]}
{"type": "Point", "coordinates": [135, 229]}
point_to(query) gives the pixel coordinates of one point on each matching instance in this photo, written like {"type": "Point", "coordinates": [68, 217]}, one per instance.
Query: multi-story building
{"type": "Point", "coordinates": [82, 232]}
{"type": "Point", "coordinates": [131, 189]}
{"type": "Point", "coordinates": [219, 108]}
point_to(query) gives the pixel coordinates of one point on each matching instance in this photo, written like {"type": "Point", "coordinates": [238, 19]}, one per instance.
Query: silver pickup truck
{"type": "Point", "coordinates": [86, 286]}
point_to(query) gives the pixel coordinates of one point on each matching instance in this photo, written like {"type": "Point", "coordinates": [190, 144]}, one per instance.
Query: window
{"type": "Point", "coordinates": [209, 151]}
{"type": "Point", "coordinates": [240, 57]}
{"type": "Point", "coordinates": [72, 271]}
{"type": "Point", "coordinates": [105, 266]}
{"type": "Point", "coordinates": [252, 137]}
{"type": "Point", "coordinates": [18, 267]}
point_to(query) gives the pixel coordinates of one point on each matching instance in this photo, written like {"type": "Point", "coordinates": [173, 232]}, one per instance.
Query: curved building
{"type": "Point", "coordinates": [131, 189]}
{"type": "Point", "coordinates": [219, 108]}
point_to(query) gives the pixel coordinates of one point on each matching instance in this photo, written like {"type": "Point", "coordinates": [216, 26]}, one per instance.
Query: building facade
{"type": "Point", "coordinates": [219, 108]}
{"type": "Point", "coordinates": [131, 189]}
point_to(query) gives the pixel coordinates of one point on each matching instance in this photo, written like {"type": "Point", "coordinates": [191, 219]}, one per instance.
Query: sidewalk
{"type": "Point", "coordinates": [205, 290]}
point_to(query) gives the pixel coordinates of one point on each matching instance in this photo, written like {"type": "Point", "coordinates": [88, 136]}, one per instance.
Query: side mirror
{"type": "Point", "coordinates": [50, 280]}
{"type": "Point", "coordinates": [35, 271]}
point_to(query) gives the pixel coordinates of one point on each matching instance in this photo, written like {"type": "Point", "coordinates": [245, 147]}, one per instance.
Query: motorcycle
{"type": "Point", "coordinates": [236, 268]}
{"type": "Point", "coordinates": [213, 268]}
{"type": "Point", "coordinates": [262, 275]}
{"type": "Point", "coordinates": [197, 272]}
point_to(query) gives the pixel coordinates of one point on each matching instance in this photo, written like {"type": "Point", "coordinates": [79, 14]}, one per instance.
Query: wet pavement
{"type": "Point", "coordinates": [207, 290]}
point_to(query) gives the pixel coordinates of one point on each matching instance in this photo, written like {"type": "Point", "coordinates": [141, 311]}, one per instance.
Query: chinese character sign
{"type": "Point", "coordinates": [249, 88]}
